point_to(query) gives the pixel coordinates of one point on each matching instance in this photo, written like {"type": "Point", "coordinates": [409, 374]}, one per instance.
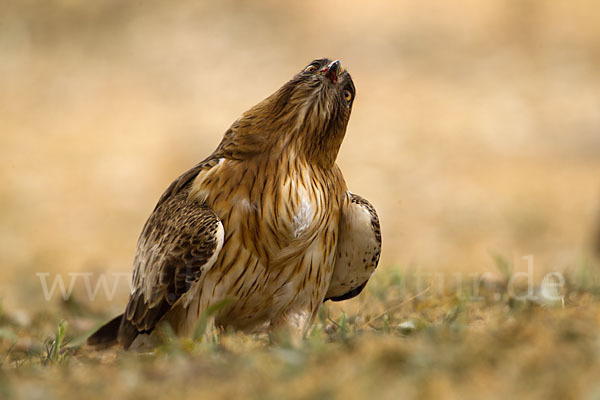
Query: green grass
{"type": "Point", "coordinates": [393, 342]}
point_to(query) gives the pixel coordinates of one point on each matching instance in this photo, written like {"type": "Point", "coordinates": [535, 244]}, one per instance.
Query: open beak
{"type": "Point", "coordinates": [333, 70]}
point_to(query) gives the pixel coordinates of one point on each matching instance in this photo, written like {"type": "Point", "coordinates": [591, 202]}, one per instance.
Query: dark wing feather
{"type": "Point", "coordinates": [180, 241]}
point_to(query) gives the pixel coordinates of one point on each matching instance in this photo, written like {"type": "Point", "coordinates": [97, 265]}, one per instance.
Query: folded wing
{"type": "Point", "coordinates": [359, 247]}
{"type": "Point", "coordinates": [180, 241]}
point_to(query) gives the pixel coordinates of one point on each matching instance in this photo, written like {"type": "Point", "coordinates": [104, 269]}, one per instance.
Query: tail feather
{"type": "Point", "coordinates": [127, 333]}
{"type": "Point", "coordinates": [107, 335]}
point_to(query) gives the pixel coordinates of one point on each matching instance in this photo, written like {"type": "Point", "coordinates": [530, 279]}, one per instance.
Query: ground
{"type": "Point", "coordinates": [473, 341]}
{"type": "Point", "coordinates": [474, 133]}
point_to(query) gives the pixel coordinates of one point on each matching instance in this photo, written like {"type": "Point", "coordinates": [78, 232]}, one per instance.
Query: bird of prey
{"type": "Point", "coordinates": [265, 222]}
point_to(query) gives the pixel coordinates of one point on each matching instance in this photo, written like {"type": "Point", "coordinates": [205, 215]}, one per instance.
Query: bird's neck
{"type": "Point", "coordinates": [268, 129]}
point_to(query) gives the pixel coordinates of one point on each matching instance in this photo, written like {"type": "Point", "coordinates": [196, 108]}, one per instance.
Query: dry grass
{"type": "Point", "coordinates": [474, 133]}
{"type": "Point", "coordinates": [393, 342]}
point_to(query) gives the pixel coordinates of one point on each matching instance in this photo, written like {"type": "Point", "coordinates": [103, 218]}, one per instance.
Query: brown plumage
{"type": "Point", "coordinates": [266, 221]}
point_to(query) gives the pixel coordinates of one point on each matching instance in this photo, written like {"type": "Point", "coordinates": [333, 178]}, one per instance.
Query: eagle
{"type": "Point", "coordinates": [265, 226]}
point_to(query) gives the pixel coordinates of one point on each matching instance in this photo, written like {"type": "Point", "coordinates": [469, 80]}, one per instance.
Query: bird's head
{"type": "Point", "coordinates": [308, 114]}
{"type": "Point", "coordinates": [323, 91]}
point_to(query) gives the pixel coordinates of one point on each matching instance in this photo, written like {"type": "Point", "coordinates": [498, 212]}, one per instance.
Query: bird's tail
{"type": "Point", "coordinates": [107, 334]}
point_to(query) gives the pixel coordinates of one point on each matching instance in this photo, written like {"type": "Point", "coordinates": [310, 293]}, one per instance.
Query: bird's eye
{"type": "Point", "coordinates": [347, 95]}
{"type": "Point", "coordinates": [310, 68]}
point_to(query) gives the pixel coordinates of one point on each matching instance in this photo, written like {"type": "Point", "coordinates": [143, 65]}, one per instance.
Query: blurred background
{"type": "Point", "coordinates": [475, 132]}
